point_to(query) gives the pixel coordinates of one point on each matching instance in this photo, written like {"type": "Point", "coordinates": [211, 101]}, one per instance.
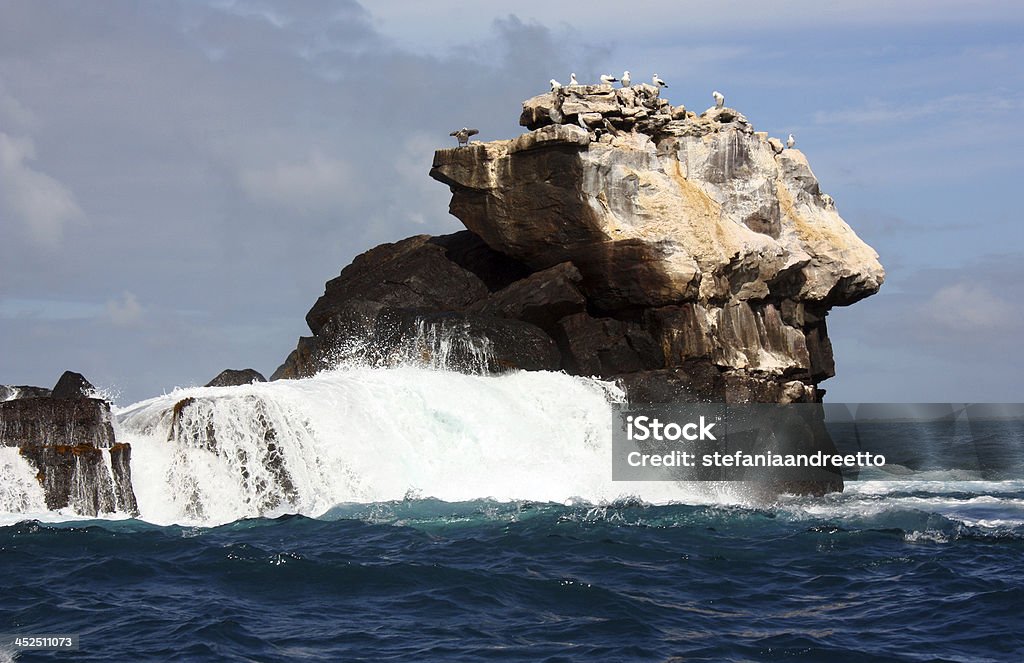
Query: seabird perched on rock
{"type": "Point", "coordinates": [719, 98]}
{"type": "Point", "coordinates": [625, 79]}
{"type": "Point", "coordinates": [608, 79]}
{"type": "Point", "coordinates": [463, 135]}
{"type": "Point", "coordinates": [791, 141]}
{"type": "Point", "coordinates": [554, 84]}
{"type": "Point", "coordinates": [572, 79]}
{"type": "Point", "coordinates": [658, 82]}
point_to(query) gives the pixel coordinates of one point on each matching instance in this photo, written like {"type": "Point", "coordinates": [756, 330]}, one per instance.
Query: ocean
{"type": "Point", "coordinates": [409, 514]}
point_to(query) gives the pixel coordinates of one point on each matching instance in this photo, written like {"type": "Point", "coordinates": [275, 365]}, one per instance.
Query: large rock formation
{"type": "Point", "coordinates": [686, 255]}
{"type": "Point", "coordinates": [68, 438]}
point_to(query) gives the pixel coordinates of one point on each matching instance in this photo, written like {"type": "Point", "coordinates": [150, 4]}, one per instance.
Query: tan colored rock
{"type": "Point", "coordinates": [722, 234]}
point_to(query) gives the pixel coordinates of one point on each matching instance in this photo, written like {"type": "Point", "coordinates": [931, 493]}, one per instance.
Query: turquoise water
{"type": "Point", "coordinates": [884, 572]}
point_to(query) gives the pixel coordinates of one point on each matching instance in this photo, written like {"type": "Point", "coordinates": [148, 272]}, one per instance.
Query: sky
{"type": "Point", "coordinates": [179, 179]}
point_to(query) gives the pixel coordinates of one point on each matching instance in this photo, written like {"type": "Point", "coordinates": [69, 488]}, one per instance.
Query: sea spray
{"type": "Point", "coordinates": [361, 434]}
{"type": "Point", "coordinates": [20, 491]}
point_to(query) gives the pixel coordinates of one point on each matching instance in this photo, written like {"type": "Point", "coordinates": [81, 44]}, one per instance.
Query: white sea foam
{"type": "Point", "coordinates": [378, 434]}
{"type": "Point", "coordinates": [20, 492]}
{"type": "Point", "coordinates": [369, 435]}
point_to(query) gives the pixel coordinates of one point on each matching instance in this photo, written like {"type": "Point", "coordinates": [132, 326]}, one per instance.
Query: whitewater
{"type": "Point", "coordinates": [364, 435]}
{"type": "Point", "coordinates": [412, 513]}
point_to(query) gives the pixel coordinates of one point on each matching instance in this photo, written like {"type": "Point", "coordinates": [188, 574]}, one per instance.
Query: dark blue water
{"type": "Point", "coordinates": [899, 576]}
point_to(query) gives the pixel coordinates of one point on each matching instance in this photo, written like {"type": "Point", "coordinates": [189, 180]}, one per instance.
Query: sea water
{"type": "Point", "coordinates": [417, 514]}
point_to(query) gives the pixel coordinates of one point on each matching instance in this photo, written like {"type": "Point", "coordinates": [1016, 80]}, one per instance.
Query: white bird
{"type": "Point", "coordinates": [719, 98]}
{"type": "Point", "coordinates": [658, 82]}
{"type": "Point", "coordinates": [608, 79]}
{"type": "Point", "coordinates": [572, 79]}
{"type": "Point", "coordinates": [625, 79]}
{"type": "Point", "coordinates": [463, 134]}
{"type": "Point", "coordinates": [554, 84]}
{"type": "Point", "coordinates": [791, 141]}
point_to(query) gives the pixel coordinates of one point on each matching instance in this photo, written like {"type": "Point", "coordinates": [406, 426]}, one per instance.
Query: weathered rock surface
{"type": "Point", "coordinates": [686, 254]}
{"type": "Point", "coordinates": [382, 308]}
{"type": "Point", "coordinates": [658, 211]}
{"type": "Point", "coordinates": [73, 385]}
{"type": "Point", "coordinates": [68, 438]}
{"type": "Point", "coordinates": [542, 298]}
{"type": "Point", "coordinates": [12, 392]}
{"type": "Point", "coordinates": [230, 377]}
{"type": "Point", "coordinates": [693, 234]}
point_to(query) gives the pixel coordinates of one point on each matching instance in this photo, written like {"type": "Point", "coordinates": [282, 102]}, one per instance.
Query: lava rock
{"type": "Point", "coordinates": [69, 441]}
{"type": "Point", "coordinates": [12, 392]}
{"type": "Point", "coordinates": [413, 273]}
{"type": "Point", "coordinates": [73, 385]}
{"type": "Point", "coordinates": [231, 378]}
{"type": "Point", "coordinates": [542, 298]}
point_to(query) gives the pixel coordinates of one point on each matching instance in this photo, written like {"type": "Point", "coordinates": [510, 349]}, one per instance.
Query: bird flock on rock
{"type": "Point", "coordinates": [463, 134]}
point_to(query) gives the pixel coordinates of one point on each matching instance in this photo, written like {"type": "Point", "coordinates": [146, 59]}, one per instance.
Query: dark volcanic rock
{"type": "Point", "coordinates": [413, 273]}
{"type": "Point", "coordinates": [356, 316]}
{"type": "Point", "coordinates": [469, 342]}
{"type": "Point", "coordinates": [73, 475]}
{"type": "Point", "coordinates": [687, 256]}
{"type": "Point", "coordinates": [69, 441]}
{"type": "Point", "coordinates": [52, 422]}
{"type": "Point", "coordinates": [606, 347]}
{"type": "Point", "coordinates": [542, 298]}
{"type": "Point", "coordinates": [12, 392]}
{"type": "Point", "coordinates": [73, 385]}
{"type": "Point", "coordinates": [690, 383]}
{"type": "Point", "coordinates": [468, 251]}
{"type": "Point", "coordinates": [303, 361]}
{"type": "Point", "coordinates": [121, 468]}
{"type": "Point", "coordinates": [232, 378]}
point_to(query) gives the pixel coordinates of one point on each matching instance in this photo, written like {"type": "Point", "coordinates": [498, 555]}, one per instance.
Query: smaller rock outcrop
{"type": "Point", "coordinates": [12, 392]}
{"type": "Point", "coordinates": [73, 385]}
{"type": "Point", "coordinates": [233, 378]}
{"type": "Point", "coordinates": [68, 438]}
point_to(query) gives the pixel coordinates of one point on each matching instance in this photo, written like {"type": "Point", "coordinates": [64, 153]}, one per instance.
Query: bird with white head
{"type": "Point", "coordinates": [463, 134]}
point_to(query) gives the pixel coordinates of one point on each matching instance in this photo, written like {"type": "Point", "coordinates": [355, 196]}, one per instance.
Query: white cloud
{"type": "Point", "coordinates": [963, 307]}
{"type": "Point", "coordinates": [317, 183]}
{"type": "Point", "coordinates": [13, 113]}
{"type": "Point", "coordinates": [125, 311]}
{"type": "Point", "coordinates": [877, 111]}
{"type": "Point", "coordinates": [404, 20]}
{"type": "Point", "coordinates": [33, 198]}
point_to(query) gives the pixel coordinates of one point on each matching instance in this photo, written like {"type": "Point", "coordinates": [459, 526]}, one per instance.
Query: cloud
{"type": "Point", "coordinates": [13, 113]}
{"type": "Point", "coordinates": [968, 308]}
{"type": "Point", "coordinates": [125, 311]}
{"type": "Point", "coordinates": [317, 183]}
{"type": "Point", "coordinates": [878, 111]}
{"type": "Point", "coordinates": [39, 202]}
{"type": "Point", "coordinates": [232, 155]}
